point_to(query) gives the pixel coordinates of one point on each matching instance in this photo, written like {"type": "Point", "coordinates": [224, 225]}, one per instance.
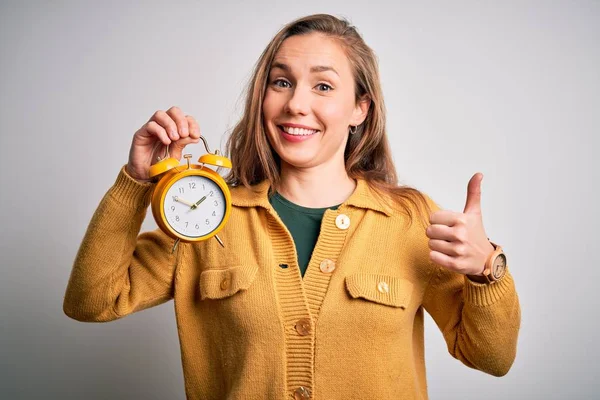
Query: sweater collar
{"type": "Point", "coordinates": [363, 197]}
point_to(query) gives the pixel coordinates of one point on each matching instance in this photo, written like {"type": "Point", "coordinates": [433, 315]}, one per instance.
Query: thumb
{"type": "Point", "coordinates": [473, 204]}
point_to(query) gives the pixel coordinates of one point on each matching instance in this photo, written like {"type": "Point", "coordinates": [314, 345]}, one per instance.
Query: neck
{"type": "Point", "coordinates": [316, 187]}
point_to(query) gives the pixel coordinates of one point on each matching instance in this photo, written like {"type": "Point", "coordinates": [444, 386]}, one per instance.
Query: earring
{"type": "Point", "coordinates": [353, 129]}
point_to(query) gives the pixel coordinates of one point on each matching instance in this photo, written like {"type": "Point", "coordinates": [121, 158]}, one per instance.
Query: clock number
{"type": "Point", "coordinates": [180, 190]}
{"type": "Point", "coordinates": [216, 203]}
{"type": "Point", "coordinates": [172, 208]}
{"type": "Point", "coordinates": [186, 224]}
{"type": "Point", "coordinates": [197, 226]}
{"type": "Point", "coordinates": [203, 188]}
{"type": "Point", "coordinates": [177, 218]}
{"type": "Point", "coordinates": [211, 193]}
{"type": "Point", "coordinates": [207, 221]}
{"type": "Point", "coordinates": [192, 185]}
{"type": "Point", "coordinates": [214, 214]}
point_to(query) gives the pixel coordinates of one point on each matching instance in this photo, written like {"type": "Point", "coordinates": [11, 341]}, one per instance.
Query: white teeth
{"type": "Point", "coordinates": [298, 131]}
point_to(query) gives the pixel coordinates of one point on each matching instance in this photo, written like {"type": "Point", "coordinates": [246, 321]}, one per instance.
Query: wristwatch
{"type": "Point", "coordinates": [495, 266]}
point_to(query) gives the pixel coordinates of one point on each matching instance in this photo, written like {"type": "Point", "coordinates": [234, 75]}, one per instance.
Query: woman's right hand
{"type": "Point", "coordinates": [171, 128]}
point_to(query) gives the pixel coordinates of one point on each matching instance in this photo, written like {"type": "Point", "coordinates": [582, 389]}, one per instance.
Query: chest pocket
{"type": "Point", "coordinates": [382, 289]}
{"type": "Point", "coordinates": [221, 283]}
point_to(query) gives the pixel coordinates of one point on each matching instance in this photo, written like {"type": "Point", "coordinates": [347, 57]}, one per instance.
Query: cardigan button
{"type": "Point", "coordinates": [303, 326]}
{"type": "Point", "coordinates": [301, 393]}
{"type": "Point", "coordinates": [225, 283]}
{"type": "Point", "coordinates": [383, 287]}
{"type": "Point", "coordinates": [342, 221]}
{"type": "Point", "coordinates": [327, 266]}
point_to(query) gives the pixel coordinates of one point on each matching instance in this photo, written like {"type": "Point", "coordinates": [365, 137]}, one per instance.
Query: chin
{"type": "Point", "coordinates": [298, 160]}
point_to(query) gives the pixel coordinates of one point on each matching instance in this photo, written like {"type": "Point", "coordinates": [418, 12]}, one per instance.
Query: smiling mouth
{"type": "Point", "coordinates": [297, 131]}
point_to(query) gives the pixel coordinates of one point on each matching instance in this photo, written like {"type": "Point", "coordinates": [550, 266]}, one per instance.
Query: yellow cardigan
{"type": "Point", "coordinates": [251, 328]}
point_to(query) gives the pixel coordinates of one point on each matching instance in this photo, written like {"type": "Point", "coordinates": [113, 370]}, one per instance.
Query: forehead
{"type": "Point", "coordinates": [305, 51]}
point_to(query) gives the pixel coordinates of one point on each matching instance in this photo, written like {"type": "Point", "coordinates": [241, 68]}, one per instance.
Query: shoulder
{"type": "Point", "coordinates": [250, 196]}
{"type": "Point", "coordinates": [404, 201]}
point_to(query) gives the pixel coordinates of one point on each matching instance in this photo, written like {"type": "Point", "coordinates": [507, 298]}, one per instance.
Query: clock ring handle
{"type": "Point", "coordinates": [205, 144]}
{"type": "Point", "coordinates": [217, 152]}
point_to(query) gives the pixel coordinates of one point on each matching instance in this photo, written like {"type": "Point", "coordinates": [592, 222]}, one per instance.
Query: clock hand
{"type": "Point", "coordinates": [180, 200]}
{"type": "Point", "coordinates": [199, 201]}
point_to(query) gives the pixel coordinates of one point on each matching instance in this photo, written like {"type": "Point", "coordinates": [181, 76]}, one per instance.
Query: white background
{"type": "Point", "coordinates": [510, 89]}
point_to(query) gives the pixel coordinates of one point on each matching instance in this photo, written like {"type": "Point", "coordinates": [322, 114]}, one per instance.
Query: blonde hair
{"type": "Point", "coordinates": [367, 154]}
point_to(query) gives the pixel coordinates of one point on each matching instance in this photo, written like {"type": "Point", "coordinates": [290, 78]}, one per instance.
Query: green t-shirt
{"type": "Point", "coordinates": [303, 223]}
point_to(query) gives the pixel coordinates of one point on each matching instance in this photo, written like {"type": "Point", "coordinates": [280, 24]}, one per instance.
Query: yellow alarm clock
{"type": "Point", "coordinates": [191, 202]}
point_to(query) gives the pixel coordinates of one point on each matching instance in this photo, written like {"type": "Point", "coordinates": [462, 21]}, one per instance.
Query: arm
{"type": "Point", "coordinates": [480, 322]}
{"type": "Point", "coordinates": [116, 272]}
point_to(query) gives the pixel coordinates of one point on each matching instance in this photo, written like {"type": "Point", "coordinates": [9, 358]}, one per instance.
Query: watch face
{"type": "Point", "coordinates": [194, 206]}
{"type": "Point", "coordinates": [499, 266]}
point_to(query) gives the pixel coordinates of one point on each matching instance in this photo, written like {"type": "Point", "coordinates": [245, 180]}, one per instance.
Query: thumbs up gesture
{"type": "Point", "coordinates": [457, 240]}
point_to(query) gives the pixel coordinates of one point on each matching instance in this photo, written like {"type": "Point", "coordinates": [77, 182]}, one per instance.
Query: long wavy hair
{"type": "Point", "coordinates": [367, 154]}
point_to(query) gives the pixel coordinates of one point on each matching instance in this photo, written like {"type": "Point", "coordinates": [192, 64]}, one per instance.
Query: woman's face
{"type": "Point", "coordinates": [309, 102]}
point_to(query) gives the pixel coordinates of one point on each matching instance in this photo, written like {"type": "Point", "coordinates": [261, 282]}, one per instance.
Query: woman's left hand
{"type": "Point", "coordinates": [457, 240]}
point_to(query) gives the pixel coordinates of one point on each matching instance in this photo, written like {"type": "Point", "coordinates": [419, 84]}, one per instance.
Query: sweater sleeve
{"type": "Point", "coordinates": [480, 322]}
{"type": "Point", "coordinates": [116, 272]}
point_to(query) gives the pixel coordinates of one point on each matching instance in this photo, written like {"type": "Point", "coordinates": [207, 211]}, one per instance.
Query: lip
{"type": "Point", "coordinates": [298, 126]}
{"type": "Point", "coordinates": [295, 138]}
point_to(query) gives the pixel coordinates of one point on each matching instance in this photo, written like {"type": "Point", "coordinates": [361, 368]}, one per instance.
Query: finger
{"type": "Point", "coordinates": [164, 120]}
{"type": "Point", "coordinates": [178, 146]}
{"type": "Point", "coordinates": [441, 232]}
{"type": "Point", "coordinates": [194, 127]}
{"type": "Point", "coordinates": [180, 120]}
{"type": "Point", "coordinates": [446, 217]}
{"type": "Point", "coordinates": [444, 260]}
{"type": "Point", "coordinates": [158, 131]}
{"type": "Point", "coordinates": [473, 203]}
{"type": "Point", "coordinates": [445, 247]}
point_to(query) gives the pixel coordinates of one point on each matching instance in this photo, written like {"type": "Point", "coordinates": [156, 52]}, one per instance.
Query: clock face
{"type": "Point", "coordinates": [194, 206]}
{"type": "Point", "coordinates": [499, 266]}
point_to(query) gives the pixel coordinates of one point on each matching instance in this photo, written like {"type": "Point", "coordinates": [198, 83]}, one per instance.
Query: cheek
{"type": "Point", "coordinates": [270, 105]}
{"type": "Point", "coordinates": [333, 113]}
{"type": "Point", "coordinates": [267, 107]}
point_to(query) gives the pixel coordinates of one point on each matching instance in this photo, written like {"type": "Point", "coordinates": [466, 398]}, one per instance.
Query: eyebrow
{"type": "Point", "coordinates": [317, 68]}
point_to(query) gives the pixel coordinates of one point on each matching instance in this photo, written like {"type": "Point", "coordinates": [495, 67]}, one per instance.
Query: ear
{"type": "Point", "coordinates": [361, 110]}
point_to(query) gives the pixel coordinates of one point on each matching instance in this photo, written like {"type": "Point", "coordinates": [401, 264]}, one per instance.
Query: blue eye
{"type": "Point", "coordinates": [280, 83]}
{"type": "Point", "coordinates": [324, 87]}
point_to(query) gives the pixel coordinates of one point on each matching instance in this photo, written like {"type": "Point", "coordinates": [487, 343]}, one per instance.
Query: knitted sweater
{"type": "Point", "coordinates": [251, 328]}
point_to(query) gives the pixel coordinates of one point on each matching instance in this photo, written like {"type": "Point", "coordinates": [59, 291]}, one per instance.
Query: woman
{"type": "Point", "coordinates": [328, 267]}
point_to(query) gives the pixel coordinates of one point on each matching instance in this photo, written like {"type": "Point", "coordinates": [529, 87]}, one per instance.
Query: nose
{"type": "Point", "coordinates": [299, 102]}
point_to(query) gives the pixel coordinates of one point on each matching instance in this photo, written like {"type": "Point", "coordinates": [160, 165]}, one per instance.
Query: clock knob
{"type": "Point", "coordinates": [215, 159]}
{"type": "Point", "coordinates": [162, 166]}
